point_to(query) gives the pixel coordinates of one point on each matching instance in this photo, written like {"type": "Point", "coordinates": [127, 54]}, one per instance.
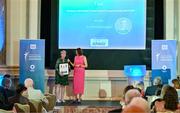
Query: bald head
{"type": "Point", "coordinates": [28, 82]}
{"type": "Point", "coordinates": [131, 94]}
{"type": "Point", "coordinates": [133, 109]}
{"type": "Point", "coordinates": [141, 103]}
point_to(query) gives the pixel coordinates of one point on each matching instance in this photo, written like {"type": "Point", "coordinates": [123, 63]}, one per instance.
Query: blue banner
{"type": "Point", "coordinates": [164, 59]}
{"type": "Point", "coordinates": [32, 55]}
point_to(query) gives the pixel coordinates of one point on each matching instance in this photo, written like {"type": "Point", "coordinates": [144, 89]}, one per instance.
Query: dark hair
{"type": "Point", "coordinates": [20, 88]}
{"type": "Point", "coordinates": [127, 88]}
{"type": "Point", "coordinates": [7, 76]}
{"type": "Point", "coordinates": [174, 80]}
{"type": "Point", "coordinates": [171, 99]}
{"type": "Point", "coordinates": [79, 51]}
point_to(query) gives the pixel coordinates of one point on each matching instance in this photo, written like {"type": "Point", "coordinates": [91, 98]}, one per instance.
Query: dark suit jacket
{"type": "Point", "coordinates": [3, 104]}
{"type": "Point", "coordinates": [151, 90]}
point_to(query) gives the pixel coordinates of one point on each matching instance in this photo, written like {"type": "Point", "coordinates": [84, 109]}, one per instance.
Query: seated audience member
{"type": "Point", "coordinates": [176, 84]}
{"type": "Point", "coordinates": [5, 89]}
{"type": "Point", "coordinates": [127, 88]}
{"type": "Point", "coordinates": [171, 99]}
{"type": "Point", "coordinates": [152, 90]}
{"type": "Point", "coordinates": [140, 86]}
{"type": "Point", "coordinates": [32, 93]}
{"type": "Point", "coordinates": [169, 103]}
{"type": "Point", "coordinates": [3, 104]}
{"type": "Point", "coordinates": [18, 98]}
{"type": "Point", "coordinates": [141, 103]}
{"type": "Point", "coordinates": [12, 86]}
{"type": "Point", "coordinates": [133, 109]}
{"type": "Point", "coordinates": [131, 94]}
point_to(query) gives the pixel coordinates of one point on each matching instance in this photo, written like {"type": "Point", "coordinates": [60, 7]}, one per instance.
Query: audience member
{"type": "Point", "coordinates": [141, 103]}
{"type": "Point", "coordinates": [176, 84]}
{"type": "Point", "coordinates": [133, 109]}
{"type": "Point", "coordinates": [12, 86]}
{"type": "Point", "coordinates": [6, 87]}
{"type": "Point", "coordinates": [131, 94]}
{"type": "Point", "coordinates": [32, 93]}
{"type": "Point", "coordinates": [127, 88]}
{"type": "Point", "coordinates": [18, 98]}
{"type": "Point", "coordinates": [3, 104]}
{"type": "Point", "coordinates": [170, 101]}
{"type": "Point", "coordinates": [152, 90]}
{"type": "Point", "coordinates": [122, 103]}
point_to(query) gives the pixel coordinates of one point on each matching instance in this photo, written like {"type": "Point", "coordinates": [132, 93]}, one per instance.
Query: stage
{"type": "Point", "coordinates": [87, 106]}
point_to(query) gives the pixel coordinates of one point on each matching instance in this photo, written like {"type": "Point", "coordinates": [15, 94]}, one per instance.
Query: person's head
{"type": "Point", "coordinates": [20, 89]}
{"type": "Point", "coordinates": [28, 83]}
{"type": "Point", "coordinates": [140, 85]}
{"type": "Point", "coordinates": [156, 101]}
{"type": "Point", "coordinates": [63, 54]}
{"type": "Point", "coordinates": [164, 89]}
{"type": "Point", "coordinates": [7, 76]}
{"type": "Point", "coordinates": [6, 83]}
{"type": "Point", "coordinates": [176, 83]}
{"type": "Point", "coordinates": [127, 88]}
{"type": "Point", "coordinates": [131, 94]}
{"type": "Point", "coordinates": [171, 99]}
{"type": "Point", "coordinates": [140, 102]}
{"type": "Point", "coordinates": [157, 81]}
{"type": "Point", "coordinates": [79, 52]}
{"type": "Point", "coordinates": [133, 109]}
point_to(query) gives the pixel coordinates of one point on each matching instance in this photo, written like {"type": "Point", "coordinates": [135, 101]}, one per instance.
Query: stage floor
{"type": "Point", "coordinates": [87, 106]}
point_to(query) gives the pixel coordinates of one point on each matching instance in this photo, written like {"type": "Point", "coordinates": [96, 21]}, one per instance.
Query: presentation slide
{"type": "Point", "coordinates": [102, 24]}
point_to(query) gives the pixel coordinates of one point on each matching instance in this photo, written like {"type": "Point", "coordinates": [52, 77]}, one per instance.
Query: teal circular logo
{"type": "Point", "coordinates": [123, 26]}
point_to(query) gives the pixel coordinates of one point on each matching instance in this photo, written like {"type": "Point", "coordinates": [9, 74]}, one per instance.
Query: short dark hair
{"type": "Point", "coordinates": [171, 99]}
{"type": "Point", "coordinates": [174, 81]}
{"type": "Point", "coordinates": [20, 88]}
{"type": "Point", "coordinates": [7, 76]}
{"type": "Point", "coordinates": [79, 51]}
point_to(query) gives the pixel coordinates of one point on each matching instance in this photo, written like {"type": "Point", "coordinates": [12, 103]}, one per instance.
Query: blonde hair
{"type": "Point", "coordinates": [63, 51]}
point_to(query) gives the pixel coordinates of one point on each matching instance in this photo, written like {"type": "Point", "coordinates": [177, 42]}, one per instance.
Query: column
{"type": "Point", "coordinates": [169, 19]}
{"type": "Point", "coordinates": [34, 19]}
{"type": "Point", "coordinates": [15, 29]}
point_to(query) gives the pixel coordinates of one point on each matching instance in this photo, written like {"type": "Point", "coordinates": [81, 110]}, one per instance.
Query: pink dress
{"type": "Point", "coordinates": [79, 73]}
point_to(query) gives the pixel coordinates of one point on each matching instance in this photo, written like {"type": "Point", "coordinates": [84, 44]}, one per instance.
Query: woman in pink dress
{"type": "Point", "coordinates": [80, 63]}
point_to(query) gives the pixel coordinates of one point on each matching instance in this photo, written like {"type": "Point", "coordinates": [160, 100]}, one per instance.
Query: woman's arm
{"type": "Point", "coordinates": [85, 63]}
{"type": "Point", "coordinates": [70, 62]}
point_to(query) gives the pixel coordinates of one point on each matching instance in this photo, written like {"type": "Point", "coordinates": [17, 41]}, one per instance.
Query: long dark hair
{"type": "Point", "coordinates": [79, 51]}
{"type": "Point", "coordinates": [171, 99]}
